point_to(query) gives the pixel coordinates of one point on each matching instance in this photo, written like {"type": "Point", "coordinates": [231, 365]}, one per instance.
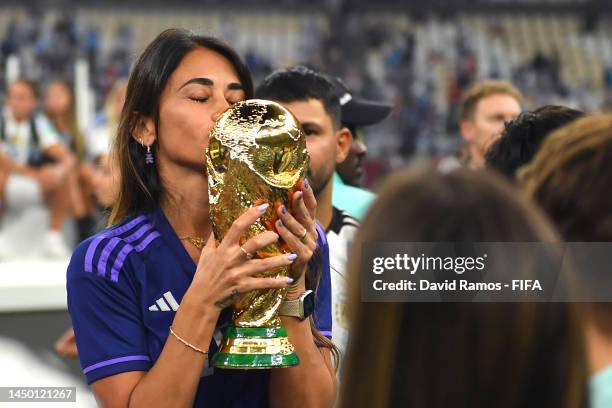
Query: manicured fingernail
{"type": "Point", "coordinates": [263, 207]}
{"type": "Point", "coordinates": [280, 223]}
{"type": "Point", "coordinates": [283, 209]}
{"type": "Point", "coordinates": [300, 195]}
{"type": "Point", "coordinates": [306, 183]}
{"type": "Point", "coordinates": [291, 257]}
{"type": "Point", "coordinates": [276, 236]}
{"type": "Point", "coordinates": [289, 281]}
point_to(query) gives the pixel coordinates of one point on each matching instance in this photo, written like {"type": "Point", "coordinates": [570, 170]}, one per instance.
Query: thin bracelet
{"type": "Point", "coordinates": [191, 346]}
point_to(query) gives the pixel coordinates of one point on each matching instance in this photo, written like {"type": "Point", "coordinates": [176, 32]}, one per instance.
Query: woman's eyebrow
{"type": "Point", "coordinates": [201, 81]}
{"type": "Point", "coordinates": [235, 86]}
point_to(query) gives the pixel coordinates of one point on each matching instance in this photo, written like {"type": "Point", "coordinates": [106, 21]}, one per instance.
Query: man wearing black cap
{"type": "Point", "coordinates": [355, 112]}
{"type": "Point", "coordinates": [312, 98]}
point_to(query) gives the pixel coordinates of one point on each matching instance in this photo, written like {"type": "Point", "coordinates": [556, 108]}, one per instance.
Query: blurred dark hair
{"type": "Point", "coordinates": [569, 178]}
{"type": "Point", "coordinates": [461, 355]}
{"type": "Point", "coordinates": [140, 189]}
{"type": "Point", "coordinates": [523, 136]}
{"type": "Point", "coordinates": [300, 84]}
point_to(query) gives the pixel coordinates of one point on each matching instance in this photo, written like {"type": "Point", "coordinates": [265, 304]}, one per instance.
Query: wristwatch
{"type": "Point", "coordinates": [300, 308]}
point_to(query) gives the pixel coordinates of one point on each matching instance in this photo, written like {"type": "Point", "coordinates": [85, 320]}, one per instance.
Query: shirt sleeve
{"type": "Point", "coordinates": [46, 132]}
{"type": "Point", "coordinates": [323, 303]}
{"type": "Point", "coordinates": [106, 317]}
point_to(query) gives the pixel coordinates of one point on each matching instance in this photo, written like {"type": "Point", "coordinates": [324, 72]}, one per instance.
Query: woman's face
{"type": "Point", "coordinates": [58, 99]}
{"type": "Point", "coordinates": [203, 86]}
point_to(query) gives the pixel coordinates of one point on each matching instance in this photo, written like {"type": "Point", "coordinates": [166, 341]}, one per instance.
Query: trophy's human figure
{"type": "Point", "coordinates": [145, 298]}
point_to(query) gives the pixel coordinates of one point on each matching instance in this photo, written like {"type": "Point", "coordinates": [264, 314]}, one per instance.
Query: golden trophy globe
{"type": "Point", "coordinates": [256, 154]}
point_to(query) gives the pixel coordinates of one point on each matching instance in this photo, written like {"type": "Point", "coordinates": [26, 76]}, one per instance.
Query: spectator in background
{"type": "Point", "coordinates": [355, 112]}
{"type": "Point", "coordinates": [440, 355]}
{"type": "Point", "coordinates": [33, 159]}
{"type": "Point", "coordinates": [61, 112]}
{"type": "Point", "coordinates": [523, 136]}
{"type": "Point", "coordinates": [105, 181]}
{"type": "Point", "coordinates": [484, 109]}
{"type": "Point", "coordinates": [103, 131]}
{"type": "Point", "coordinates": [99, 176]}
{"type": "Point", "coordinates": [570, 177]}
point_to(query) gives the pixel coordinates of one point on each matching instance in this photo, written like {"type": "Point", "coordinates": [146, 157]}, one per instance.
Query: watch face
{"type": "Point", "coordinates": [308, 303]}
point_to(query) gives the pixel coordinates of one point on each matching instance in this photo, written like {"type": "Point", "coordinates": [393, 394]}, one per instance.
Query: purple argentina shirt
{"type": "Point", "coordinates": [124, 287]}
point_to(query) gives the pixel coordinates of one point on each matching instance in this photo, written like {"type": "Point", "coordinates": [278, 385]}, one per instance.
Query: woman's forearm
{"type": "Point", "coordinates": [310, 384]}
{"type": "Point", "coordinates": [174, 379]}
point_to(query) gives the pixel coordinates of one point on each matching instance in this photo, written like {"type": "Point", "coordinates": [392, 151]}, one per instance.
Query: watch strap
{"type": "Point", "coordinates": [293, 308]}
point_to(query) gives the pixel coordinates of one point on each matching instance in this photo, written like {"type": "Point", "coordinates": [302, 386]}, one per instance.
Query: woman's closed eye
{"type": "Point", "coordinates": [199, 99]}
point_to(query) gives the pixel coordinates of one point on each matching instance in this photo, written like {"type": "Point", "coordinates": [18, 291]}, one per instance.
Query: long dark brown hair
{"type": "Point", "coordinates": [140, 187]}
{"type": "Point", "coordinates": [440, 355]}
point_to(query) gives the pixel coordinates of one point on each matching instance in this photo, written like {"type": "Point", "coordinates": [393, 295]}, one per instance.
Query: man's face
{"type": "Point", "coordinates": [321, 140]}
{"type": "Point", "coordinates": [21, 100]}
{"type": "Point", "coordinates": [487, 123]}
{"type": "Point", "coordinates": [351, 170]}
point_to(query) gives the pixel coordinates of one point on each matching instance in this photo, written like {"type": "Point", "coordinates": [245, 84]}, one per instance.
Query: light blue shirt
{"type": "Point", "coordinates": [601, 389]}
{"type": "Point", "coordinates": [353, 200]}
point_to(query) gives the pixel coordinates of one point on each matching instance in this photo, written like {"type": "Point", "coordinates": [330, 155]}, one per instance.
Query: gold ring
{"type": "Point", "coordinates": [248, 254]}
{"type": "Point", "coordinates": [304, 235]}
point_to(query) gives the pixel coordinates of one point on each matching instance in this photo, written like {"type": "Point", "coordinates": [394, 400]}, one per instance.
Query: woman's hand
{"type": "Point", "coordinates": [226, 272]}
{"type": "Point", "coordinates": [299, 230]}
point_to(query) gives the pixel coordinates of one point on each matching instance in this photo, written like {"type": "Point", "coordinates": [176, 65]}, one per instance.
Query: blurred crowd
{"type": "Point", "coordinates": [48, 48]}
{"type": "Point", "coordinates": [421, 65]}
{"type": "Point", "coordinates": [51, 170]}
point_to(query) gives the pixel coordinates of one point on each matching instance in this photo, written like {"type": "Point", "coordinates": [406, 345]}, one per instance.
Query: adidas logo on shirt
{"type": "Point", "coordinates": [165, 303]}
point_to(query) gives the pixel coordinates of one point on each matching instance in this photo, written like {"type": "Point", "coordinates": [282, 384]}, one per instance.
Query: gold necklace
{"type": "Point", "coordinates": [197, 242]}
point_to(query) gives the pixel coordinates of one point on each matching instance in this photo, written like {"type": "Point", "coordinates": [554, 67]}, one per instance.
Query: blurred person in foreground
{"type": "Point", "coordinates": [356, 112]}
{"type": "Point", "coordinates": [484, 109]}
{"type": "Point", "coordinates": [440, 355]}
{"type": "Point", "coordinates": [523, 136]}
{"type": "Point", "coordinates": [570, 177]}
{"type": "Point", "coordinates": [34, 166]}
{"type": "Point", "coordinates": [312, 98]}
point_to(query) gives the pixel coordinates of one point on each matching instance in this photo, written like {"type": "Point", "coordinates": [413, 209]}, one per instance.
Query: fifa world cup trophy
{"type": "Point", "coordinates": [256, 154]}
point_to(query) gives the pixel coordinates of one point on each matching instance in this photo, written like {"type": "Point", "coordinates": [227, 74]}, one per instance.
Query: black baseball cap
{"type": "Point", "coordinates": [358, 111]}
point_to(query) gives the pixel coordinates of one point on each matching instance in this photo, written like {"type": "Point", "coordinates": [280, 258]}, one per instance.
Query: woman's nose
{"type": "Point", "coordinates": [220, 107]}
